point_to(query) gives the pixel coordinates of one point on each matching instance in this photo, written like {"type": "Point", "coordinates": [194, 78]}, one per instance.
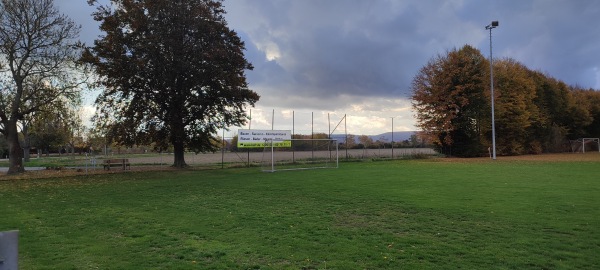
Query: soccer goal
{"type": "Point", "coordinates": [303, 154]}
{"type": "Point", "coordinates": [581, 144]}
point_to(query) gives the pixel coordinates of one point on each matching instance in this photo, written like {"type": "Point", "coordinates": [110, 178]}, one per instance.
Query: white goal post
{"type": "Point", "coordinates": [301, 155]}
{"type": "Point", "coordinates": [596, 140]}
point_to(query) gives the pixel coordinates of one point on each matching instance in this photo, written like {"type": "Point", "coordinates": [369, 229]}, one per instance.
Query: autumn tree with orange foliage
{"type": "Point", "coordinates": [450, 100]}
{"type": "Point", "coordinates": [515, 109]}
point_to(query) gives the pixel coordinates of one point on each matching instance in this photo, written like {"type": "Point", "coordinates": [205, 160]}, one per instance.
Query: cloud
{"type": "Point", "coordinates": [86, 112]}
{"type": "Point", "coordinates": [361, 49]}
{"type": "Point", "coordinates": [369, 117]}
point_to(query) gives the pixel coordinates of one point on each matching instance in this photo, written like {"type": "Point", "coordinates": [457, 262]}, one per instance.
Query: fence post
{"type": "Point", "coordinates": [9, 250]}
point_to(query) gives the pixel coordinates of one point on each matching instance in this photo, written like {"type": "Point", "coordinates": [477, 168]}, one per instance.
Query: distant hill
{"type": "Point", "coordinates": [387, 137]}
{"type": "Point", "coordinates": [398, 136]}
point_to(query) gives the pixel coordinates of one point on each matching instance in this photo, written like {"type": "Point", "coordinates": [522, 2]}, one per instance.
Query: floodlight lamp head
{"type": "Point", "coordinates": [492, 25]}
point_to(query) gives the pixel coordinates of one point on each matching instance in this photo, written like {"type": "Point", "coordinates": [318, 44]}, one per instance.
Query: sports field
{"type": "Point", "coordinates": [523, 213]}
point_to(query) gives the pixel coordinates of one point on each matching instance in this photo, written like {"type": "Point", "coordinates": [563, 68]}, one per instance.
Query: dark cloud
{"type": "Point", "coordinates": [358, 48]}
{"type": "Point", "coordinates": [374, 48]}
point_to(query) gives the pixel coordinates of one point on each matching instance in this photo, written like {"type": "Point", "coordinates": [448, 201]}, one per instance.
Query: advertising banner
{"type": "Point", "coordinates": [253, 138]}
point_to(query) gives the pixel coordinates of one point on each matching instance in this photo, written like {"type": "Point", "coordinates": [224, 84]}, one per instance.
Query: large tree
{"type": "Point", "coordinates": [451, 102]}
{"type": "Point", "coordinates": [516, 111]}
{"type": "Point", "coordinates": [562, 115]}
{"type": "Point", "coordinates": [172, 73]}
{"type": "Point", "coordinates": [38, 52]}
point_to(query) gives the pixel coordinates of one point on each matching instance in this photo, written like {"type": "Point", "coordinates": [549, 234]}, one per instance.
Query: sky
{"type": "Point", "coordinates": [316, 61]}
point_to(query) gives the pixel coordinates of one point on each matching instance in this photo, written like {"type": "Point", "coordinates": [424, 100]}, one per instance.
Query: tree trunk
{"type": "Point", "coordinates": [26, 143]}
{"type": "Point", "coordinates": [15, 151]}
{"type": "Point", "coordinates": [178, 144]}
{"type": "Point", "coordinates": [179, 155]}
{"type": "Point", "coordinates": [26, 154]}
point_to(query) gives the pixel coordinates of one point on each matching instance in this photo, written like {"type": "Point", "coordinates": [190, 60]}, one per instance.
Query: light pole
{"type": "Point", "coordinates": [392, 137]}
{"type": "Point", "coordinates": [491, 26]}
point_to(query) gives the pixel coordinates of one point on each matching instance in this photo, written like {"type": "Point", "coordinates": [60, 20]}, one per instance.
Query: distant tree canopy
{"type": "Point", "coordinates": [534, 113]}
{"type": "Point", "coordinates": [172, 72]}
{"type": "Point", "coordinates": [55, 126]}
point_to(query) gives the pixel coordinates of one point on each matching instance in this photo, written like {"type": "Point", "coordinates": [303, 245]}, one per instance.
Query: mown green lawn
{"type": "Point", "coordinates": [415, 214]}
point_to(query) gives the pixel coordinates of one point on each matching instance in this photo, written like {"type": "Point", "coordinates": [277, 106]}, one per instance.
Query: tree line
{"type": "Point", "coordinates": [534, 112]}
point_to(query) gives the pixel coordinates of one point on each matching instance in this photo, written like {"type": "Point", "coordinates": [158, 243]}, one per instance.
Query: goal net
{"type": "Point", "coordinates": [303, 154]}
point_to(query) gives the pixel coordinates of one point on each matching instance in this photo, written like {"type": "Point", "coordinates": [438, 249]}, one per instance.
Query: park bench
{"type": "Point", "coordinates": [121, 162]}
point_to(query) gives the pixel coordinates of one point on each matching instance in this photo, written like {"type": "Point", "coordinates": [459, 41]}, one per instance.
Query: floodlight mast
{"type": "Point", "coordinates": [392, 137]}
{"type": "Point", "coordinates": [491, 26]}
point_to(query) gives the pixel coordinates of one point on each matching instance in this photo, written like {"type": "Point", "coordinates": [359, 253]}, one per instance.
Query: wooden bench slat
{"type": "Point", "coordinates": [116, 162]}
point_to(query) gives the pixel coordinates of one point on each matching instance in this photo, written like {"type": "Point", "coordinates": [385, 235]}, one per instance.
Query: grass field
{"type": "Point", "coordinates": [404, 214]}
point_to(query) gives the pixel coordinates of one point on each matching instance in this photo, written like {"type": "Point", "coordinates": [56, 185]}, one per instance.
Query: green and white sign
{"type": "Point", "coordinates": [254, 138]}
